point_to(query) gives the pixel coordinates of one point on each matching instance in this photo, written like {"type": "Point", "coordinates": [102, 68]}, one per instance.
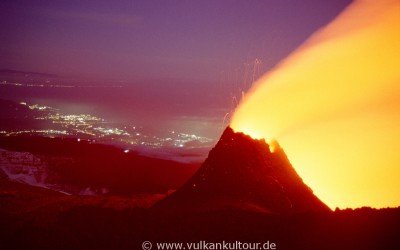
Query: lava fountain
{"type": "Point", "coordinates": [334, 106]}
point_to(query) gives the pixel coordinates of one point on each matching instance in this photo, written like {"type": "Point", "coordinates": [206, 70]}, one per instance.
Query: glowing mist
{"type": "Point", "coordinates": [334, 107]}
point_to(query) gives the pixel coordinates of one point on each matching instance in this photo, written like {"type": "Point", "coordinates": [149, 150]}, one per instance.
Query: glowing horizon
{"type": "Point", "coordinates": [334, 107]}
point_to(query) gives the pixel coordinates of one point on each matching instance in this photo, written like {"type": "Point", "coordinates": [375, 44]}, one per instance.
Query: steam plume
{"type": "Point", "coordinates": [334, 106]}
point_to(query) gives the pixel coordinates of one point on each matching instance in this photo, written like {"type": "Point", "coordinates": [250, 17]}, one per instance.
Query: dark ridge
{"type": "Point", "coordinates": [19, 72]}
{"type": "Point", "coordinates": [241, 172]}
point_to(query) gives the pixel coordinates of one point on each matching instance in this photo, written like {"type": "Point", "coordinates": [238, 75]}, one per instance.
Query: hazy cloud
{"type": "Point", "coordinates": [93, 16]}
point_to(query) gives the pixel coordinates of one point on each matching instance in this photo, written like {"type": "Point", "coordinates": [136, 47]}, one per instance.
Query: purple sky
{"type": "Point", "coordinates": [139, 41]}
{"type": "Point", "coordinates": [181, 60]}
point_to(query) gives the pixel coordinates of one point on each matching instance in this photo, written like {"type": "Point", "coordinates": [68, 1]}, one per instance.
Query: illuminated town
{"type": "Point", "coordinates": [95, 129]}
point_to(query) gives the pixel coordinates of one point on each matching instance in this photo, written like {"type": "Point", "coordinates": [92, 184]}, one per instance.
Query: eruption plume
{"type": "Point", "coordinates": [334, 106]}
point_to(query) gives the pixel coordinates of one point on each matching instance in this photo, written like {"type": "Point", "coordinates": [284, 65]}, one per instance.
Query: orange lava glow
{"type": "Point", "coordinates": [334, 107]}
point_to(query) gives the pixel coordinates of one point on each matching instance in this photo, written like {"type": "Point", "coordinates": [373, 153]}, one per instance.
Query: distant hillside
{"type": "Point", "coordinates": [11, 72]}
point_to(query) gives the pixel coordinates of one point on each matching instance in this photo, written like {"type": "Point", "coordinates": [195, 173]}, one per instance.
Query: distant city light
{"type": "Point", "coordinates": [99, 130]}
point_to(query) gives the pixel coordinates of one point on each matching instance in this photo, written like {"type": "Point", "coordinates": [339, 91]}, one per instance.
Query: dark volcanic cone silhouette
{"type": "Point", "coordinates": [243, 173]}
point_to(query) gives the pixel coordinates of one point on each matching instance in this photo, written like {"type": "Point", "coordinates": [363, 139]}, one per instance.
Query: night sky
{"type": "Point", "coordinates": [191, 41]}
{"type": "Point", "coordinates": [181, 59]}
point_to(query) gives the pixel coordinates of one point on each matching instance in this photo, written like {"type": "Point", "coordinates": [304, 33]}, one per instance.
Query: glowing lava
{"type": "Point", "coordinates": [334, 106]}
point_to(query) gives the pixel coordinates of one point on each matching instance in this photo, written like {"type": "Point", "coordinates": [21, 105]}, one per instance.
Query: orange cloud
{"type": "Point", "coordinates": [334, 106]}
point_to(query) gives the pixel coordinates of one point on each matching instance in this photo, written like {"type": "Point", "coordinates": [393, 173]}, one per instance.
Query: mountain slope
{"type": "Point", "coordinates": [243, 173]}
